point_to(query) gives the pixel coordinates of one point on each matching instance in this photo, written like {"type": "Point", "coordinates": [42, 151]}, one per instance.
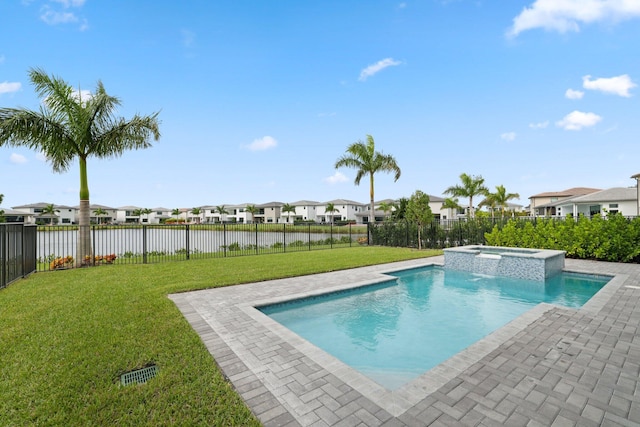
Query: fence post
{"type": "Point", "coordinates": [224, 239]}
{"type": "Point", "coordinates": [93, 244]}
{"type": "Point", "coordinates": [144, 244]}
{"type": "Point", "coordinates": [331, 235]}
{"type": "Point", "coordinates": [256, 238]}
{"type": "Point", "coordinates": [186, 232]}
{"type": "Point", "coordinates": [3, 256]}
{"type": "Point", "coordinates": [284, 237]}
{"type": "Point", "coordinates": [350, 238]}
{"type": "Point", "coordinates": [309, 235]}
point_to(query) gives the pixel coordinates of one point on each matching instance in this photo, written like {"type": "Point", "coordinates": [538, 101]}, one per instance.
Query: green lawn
{"type": "Point", "coordinates": [67, 336]}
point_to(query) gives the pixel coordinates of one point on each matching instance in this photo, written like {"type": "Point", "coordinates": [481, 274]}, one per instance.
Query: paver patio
{"type": "Point", "coordinates": [552, 366]}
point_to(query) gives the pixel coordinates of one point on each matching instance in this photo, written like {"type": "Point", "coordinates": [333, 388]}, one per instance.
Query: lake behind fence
{"type": "Point", "coordinates": [156, 243]}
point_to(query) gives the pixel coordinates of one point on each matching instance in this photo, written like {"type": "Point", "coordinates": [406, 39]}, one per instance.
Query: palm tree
{"type": "Point", "coordinates": [222, 211]}
{"type": "Point", "coordinates": [330, 208]}
{"type": "Point", "coordinates": [501, 197]}
{"type": "Point", "coordinates": [1, 211]}
{"type": "Point", "coordinates": [196, 212]}
{"type": "Point", "coordinates": [146, 211]}
{"type": "Point", "coordinates": [49, 211]}
{"type": "Point", "coordinates": [367, 161]}
{"type": "Point", "coordinates": [176, 212]}
{"type": "Point", "coordinates": [252, 210]}
{"type": "Point", "coordinates": [471, 186]}
{"type": "Point", "coordinates": [99, 213]}
{"type": "Point", "coordinates": [386, 208]}
{"type": "Point", "coordinates": [451, 203]}
{"type": "Point", "coordinates": [400, 209]}
{"type": "Point", "coordinates": [69, 127]}
{"type": "Point", "coordinates": [287, 208]}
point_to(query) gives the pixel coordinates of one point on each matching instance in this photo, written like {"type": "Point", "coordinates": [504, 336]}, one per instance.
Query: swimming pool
{"type": "Point", "coordinates": [396, 330]}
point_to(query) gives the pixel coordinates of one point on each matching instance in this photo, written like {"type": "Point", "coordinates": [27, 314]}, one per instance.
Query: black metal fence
{"type": "Point", "coordinates": [133, 244]}
{"type": "Point", "coordinates": [438, 234]}
{"type": "Point", "coordinates": [17, 252]}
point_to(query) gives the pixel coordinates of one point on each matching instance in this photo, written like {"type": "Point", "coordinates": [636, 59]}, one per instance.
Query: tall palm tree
{"type": "Point", "coordinates": [176, 212]}
{"type": "Point", "coordinates": [68, 126]}
{"type": "Point", "coordinates": [451, 203]}
{"type": "Point", "coordinates": [146, 212]}
{"type": "Point", "coordinates": [330, 208]}
{"type": "Point", "coordinates": [501, 197]}
{"type": "Point", "coordinates": [138, 213]}
{"type": "Point", "coordinates": [367, 161]}
{"type": "Point", "coordinates": [252, 210]}
{"type": "Point", "coordinates": [471, 186]}
{"type": "Point", "coordinates": [222, 211]}
{"type": "Point", "coordinates": [287, 208]}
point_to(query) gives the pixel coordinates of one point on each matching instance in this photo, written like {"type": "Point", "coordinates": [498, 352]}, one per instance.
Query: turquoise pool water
{"type": "Point", "coordinates": [395, 331]}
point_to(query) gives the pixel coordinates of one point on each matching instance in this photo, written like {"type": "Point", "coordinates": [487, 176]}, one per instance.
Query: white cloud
{"type": "Point", "coordinates": [619, 85]}
{"type": "Point", "coordinates": [573, 94]}
{"type": "Point", "coordinates": [8, 87]}
{"type": "Point", "coordinates": [70, 3]}
{"type": "Point", "coordinates": [261, 144]}
{"type": "Point", "coordinates": [377, 67]}
{"type": "Point", "coordinates": [577, 120]}
{"type": "Point", "coordinates": [52, 17]}
{"type": "Point", "coordinates": [17, 159]}
{"type": "Point", "coordinates": [568, 15]}
{"type": "Point", "coordinates": [335, 178]}
{"type": "Point", "coordinates": [508, 136]}
{"type": "Point", "coordinates": [540, 125]}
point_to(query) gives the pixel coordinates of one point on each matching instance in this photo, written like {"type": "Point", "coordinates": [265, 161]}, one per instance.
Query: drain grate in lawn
{"type": "Point", "coordinates": [139, 376]}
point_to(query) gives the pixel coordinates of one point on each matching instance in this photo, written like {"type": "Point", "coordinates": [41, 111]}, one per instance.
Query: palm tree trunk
{"type": "Point", "coordinates": [83, 249]}
{"type": "Point", "coordinates": [372, 214]}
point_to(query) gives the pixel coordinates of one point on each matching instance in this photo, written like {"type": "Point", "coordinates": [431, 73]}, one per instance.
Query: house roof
{"type": "Point", "coordinates": [576, 191]}
{"type": "Point", "coordinates": [343, 202]}
{"type": "Point", "coordinates": [615, 194]}
{"type": "Point", "coordinates": [305, 203]}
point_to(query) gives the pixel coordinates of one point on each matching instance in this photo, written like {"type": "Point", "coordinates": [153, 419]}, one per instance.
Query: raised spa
{"type": "Point", "coordinates": [528, 264]}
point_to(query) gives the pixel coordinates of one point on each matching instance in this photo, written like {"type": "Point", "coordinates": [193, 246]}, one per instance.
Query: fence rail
{"type": "Point", "coordinates": [141, 244]}
{"type": "Point", "coordinates": [17, 252]}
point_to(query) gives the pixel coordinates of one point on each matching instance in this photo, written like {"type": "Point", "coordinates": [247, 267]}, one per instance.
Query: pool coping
{"type": "Point", "coordinates": [269, 366]}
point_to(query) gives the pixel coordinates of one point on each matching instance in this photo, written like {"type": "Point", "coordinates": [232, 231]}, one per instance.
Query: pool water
{"type": "Point", "coordinates": [395, 331]}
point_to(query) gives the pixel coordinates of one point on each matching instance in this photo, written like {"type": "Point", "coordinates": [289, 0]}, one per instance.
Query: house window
{"type": "Point", "coordinates": [613, 206]}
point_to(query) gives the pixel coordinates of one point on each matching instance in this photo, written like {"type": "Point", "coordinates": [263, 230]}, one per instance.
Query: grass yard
{"type": "Point", "coordinates": [67, 336]}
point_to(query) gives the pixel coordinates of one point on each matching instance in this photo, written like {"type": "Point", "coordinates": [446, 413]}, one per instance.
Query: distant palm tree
{"type": "Point", "coordinates": [253, 210]}
{"type": "Point", "coordinates": [471, 186]}
{"type": "Point", "coordinates": [501, 198]}
{"type": "Point", "coordinates": [386, 208]}
{"type": "Point", "coordinates": [222, 211]}
{"type": "Point", "coordinates": [176, 212]}
{"type": "Point", "coordinates": [400, 209]}
{"type": "Point", "coordinates": [451, 203]}
{"type": "Point", "coordinates": [146, 211]}
{"type": "Point", "coordinates": [196, 212]}
{"type": "Point", "coordinates": [287, 208]}
{"type": "Point", "coordinates": [100, 213]}
{"type": "Point", "coordinates": [367, 161]}
{"type": "Point", "coordinates": [49, 211]}
{"type": "Point", "coordinates": [67, 127]}
{"type": "Point", "coordinates": [330, 208]}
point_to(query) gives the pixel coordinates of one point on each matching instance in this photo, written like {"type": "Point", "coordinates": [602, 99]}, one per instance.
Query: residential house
{"type": "Point", "coordinates": [613, 200]}
{"type": "Point", "coordinates": [345, 210]}
{"type": "Point", "coordinates": [544, 204]}
{"type": "Point", "coordinates": [306, 210]}
{"type": "Point", "coordinates": [109, 217]}
{"type": "Point", "coordinates": [11, 215]}
{"type": "Point", "coordinates": [62, 215]}
{"type": "Point", "coordinates": [268, 213]}
{"type": "Point", "coordinates": [238, 213]}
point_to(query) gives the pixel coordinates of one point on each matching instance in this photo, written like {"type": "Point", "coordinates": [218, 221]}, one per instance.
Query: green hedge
{"type": "Point", "coordinates": [611, 238]}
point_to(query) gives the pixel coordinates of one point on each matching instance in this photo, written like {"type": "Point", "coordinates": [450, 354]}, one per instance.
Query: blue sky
{"type": "Point", "coordinates": [258, 99]}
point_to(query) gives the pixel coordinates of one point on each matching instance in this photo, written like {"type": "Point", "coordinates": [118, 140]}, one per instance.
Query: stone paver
{"type": "Point", "coordinates": [551, 366]}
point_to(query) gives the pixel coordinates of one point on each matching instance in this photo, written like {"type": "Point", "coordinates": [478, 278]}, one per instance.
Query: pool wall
{"type": "Point", "coordinates": [528, 264]}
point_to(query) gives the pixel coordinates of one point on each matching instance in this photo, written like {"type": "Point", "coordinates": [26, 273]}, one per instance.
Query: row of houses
{"type": "Point", "coordinates": [573, 201]}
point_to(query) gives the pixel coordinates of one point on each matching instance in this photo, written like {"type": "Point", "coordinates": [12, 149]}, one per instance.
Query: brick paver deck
{"type": "Point", "coordinates": [552, 366]}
